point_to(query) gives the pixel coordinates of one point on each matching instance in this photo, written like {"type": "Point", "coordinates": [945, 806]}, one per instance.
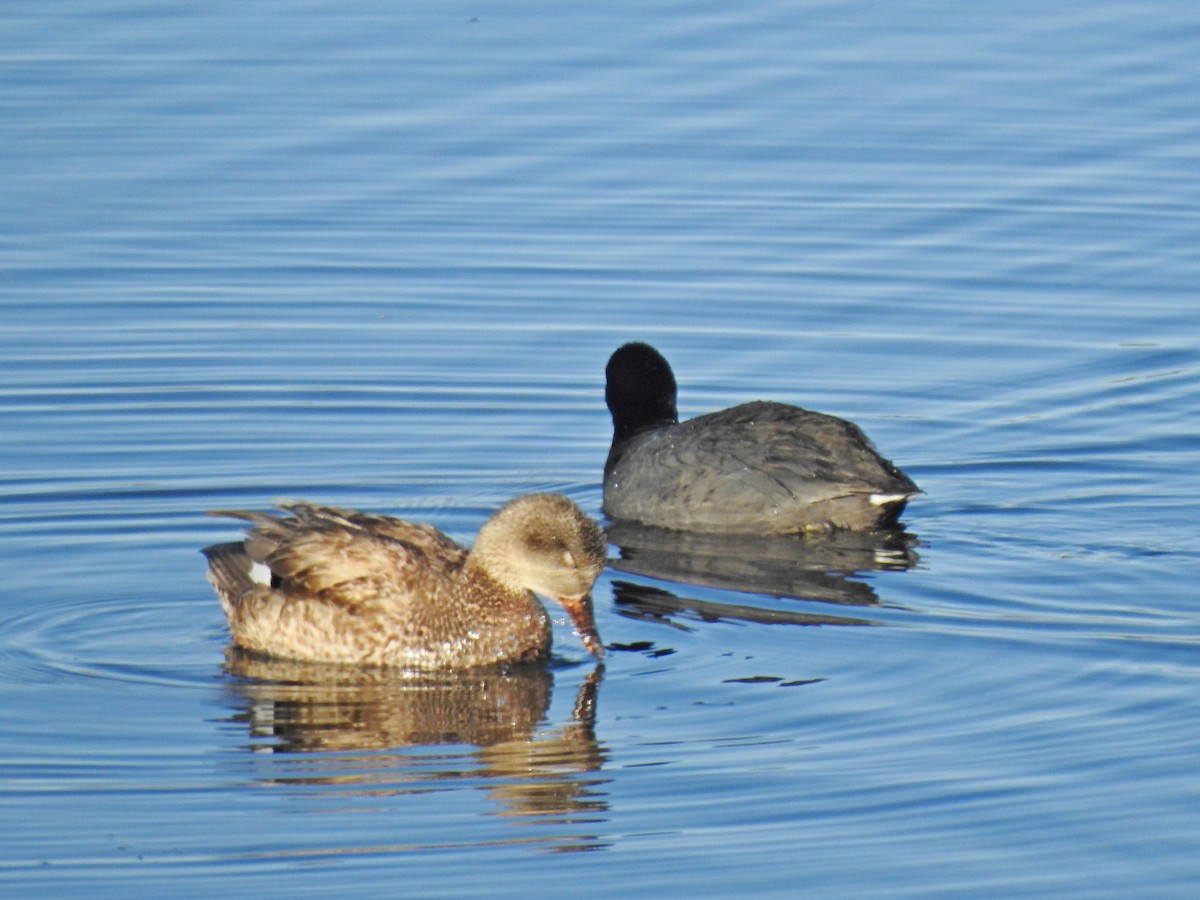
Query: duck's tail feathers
{"type": "Point", "coordinates": [232, 572]}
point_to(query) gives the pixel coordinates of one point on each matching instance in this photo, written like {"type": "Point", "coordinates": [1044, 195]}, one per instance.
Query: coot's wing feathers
{"type": "Point", "coordinates": [783, 454]}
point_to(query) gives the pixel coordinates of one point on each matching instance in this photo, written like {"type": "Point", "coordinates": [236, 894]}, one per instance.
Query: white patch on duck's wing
{"type": "Point", "coordinates": [885, 499]}
{"type": "Point", "coordinates": [260, 574]}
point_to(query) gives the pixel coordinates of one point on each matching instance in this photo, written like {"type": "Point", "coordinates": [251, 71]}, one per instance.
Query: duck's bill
{"type": "Point", "coordinates": [580, 611]}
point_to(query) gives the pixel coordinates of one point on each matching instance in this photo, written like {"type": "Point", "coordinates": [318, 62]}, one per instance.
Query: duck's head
{"type": "Point", "coordinates": [546, 544]}
{"type": "Point", "coordinates": [640, 390]}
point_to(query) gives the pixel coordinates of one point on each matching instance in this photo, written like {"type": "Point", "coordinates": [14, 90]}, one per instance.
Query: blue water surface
{"type": "Point", "coordinates": [377, 254]}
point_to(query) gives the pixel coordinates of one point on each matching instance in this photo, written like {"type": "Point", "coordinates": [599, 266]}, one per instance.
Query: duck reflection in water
{"type": "Point", "coordinates": [357, 727]}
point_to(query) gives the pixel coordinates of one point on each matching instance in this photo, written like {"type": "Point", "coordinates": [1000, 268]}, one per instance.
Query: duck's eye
{"type": "Point", "coordinates": [541, 544]}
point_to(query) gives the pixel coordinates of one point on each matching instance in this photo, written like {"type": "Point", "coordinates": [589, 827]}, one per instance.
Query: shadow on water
{"type": "Point", "coordinates": [356, 728]}
{"type": "Point", "coordinates": [804, 568]}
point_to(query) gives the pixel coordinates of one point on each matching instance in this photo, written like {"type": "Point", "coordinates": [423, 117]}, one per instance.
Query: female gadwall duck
{"type": "Point", "coordinates": [758, 468]}
{"type": "Point", "coordinates": [332, 585]}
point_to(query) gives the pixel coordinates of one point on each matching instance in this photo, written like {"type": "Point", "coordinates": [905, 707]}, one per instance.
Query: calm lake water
{"type": "Point", "coordinates": [377, 254]}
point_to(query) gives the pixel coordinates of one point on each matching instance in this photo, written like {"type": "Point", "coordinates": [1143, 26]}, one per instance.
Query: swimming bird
{"type": "Point", "coordinates": [323, 584]}
{"type": "Point", "coordinates": [758, 468]}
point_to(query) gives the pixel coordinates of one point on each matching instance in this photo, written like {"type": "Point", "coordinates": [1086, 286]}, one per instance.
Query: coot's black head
{"type": "Point", "coordinates": [640, 390]}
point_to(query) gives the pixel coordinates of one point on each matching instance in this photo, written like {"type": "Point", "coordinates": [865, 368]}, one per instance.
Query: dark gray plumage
{"type": "Point", "coordinates": [758, 468]}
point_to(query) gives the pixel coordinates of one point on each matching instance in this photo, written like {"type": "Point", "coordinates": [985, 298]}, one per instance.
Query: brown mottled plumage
{"type": "Point", "coordinates": [333, 585]}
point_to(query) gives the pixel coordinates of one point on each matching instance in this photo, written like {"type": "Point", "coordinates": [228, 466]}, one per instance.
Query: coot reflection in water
{"type": "Point", "coordinates": [360, 728]}
{"type": "Point", "coordinates": [817, 567]}
{"type": "Point", "coordinates": [653, 604]}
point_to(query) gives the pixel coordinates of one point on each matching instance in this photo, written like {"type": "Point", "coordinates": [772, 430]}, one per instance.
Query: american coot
{"type": "Point", "coordinates": [331, 585]}
{"type": "Point", "coordinates": [758, 468]}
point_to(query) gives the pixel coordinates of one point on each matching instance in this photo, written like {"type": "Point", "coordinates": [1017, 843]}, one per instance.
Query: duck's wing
{"type": "Point", "coordinates": [341, 556]}
{"type": "Point", "coordinates": [440, 552]}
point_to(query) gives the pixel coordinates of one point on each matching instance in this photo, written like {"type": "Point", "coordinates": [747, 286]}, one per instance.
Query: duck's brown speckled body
{"type": "Point", "coordinates": [758, 468]}
{"type": "Point", "coordinates": [331, 585]}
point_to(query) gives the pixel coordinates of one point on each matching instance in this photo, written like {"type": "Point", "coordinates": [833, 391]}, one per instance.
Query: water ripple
{"type": "Point", "coordinates": [146, 642]}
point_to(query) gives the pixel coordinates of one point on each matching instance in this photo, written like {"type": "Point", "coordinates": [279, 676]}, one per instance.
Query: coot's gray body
{"type": "Point", "coordinates": [758, 468]}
